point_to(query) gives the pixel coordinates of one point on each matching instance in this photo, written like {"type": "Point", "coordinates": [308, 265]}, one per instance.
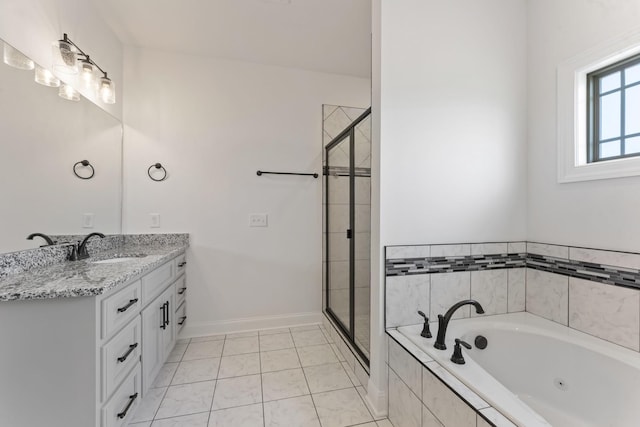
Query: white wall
{"type": "Point", "coordinates": [32, 26]}
{"type": "Point", "coordinates": [600, 214]}
{"type": "Point", "coordinates": [449, 132]}
{"type": "Point", "coordinates": [453, 126]}
{"type": "Point", "coordinates": [213, 123]}
{"type": "Point", "coordinates": [43, 136]}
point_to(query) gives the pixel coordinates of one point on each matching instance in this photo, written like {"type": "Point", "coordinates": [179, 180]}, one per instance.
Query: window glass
{"type": "Point", "coordinates": [632, 74]}
{"type": "Point", "coordinates": [632, 110]}
{"type": "Point", "coordinates": [610, 116]}
{"type": "Point", "coordinates": [632, 145]}
{"type": "Point", "coordinates": [610, 82]}
{"type": "Point", "coordinates": [610, 149]}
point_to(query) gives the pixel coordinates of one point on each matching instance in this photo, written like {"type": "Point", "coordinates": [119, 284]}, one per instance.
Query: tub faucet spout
{"type": "Point", "coordinates": [443, 321]}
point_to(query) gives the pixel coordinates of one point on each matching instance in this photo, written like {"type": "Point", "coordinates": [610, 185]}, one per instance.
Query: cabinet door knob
{"type": "Point", "coordinates": [182, 320]}
{"type": "Point", "coordinates": [132, 399]}
{"type": "Point", "coordinates": [182, 264]}
{"type": "Point", "coordinates": [181, 291]}
{"type": "Point", "coordinates": [124, 356]}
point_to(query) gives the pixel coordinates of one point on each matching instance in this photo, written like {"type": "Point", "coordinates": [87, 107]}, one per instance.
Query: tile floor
{"type": "Point", "coordinates": [271, 378]}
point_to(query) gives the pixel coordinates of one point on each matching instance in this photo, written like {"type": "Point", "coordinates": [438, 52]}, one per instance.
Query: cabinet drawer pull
{"type": "Point", "coordinates": [182, 320]}
{"type": "Point", "coordinates": [132, 399]}
{"type": "Point", "coordinates": [126, 307]}
{"type": "Point", "coordinates": [124, 356]}
{"type": "Point", "coordinates": [182, 264]}
{"type": "Point", "coordinates": [164, 316]}
{"type": "Point", "coordinates": [167, 311]}
{"type": "Point", "coordinates": [182, 291]}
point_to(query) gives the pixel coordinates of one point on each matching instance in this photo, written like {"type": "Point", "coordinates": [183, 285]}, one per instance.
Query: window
{"type": "Point", "coordinates": [614, 111]}
{"type": "Point", "coordinates": [598, 111]}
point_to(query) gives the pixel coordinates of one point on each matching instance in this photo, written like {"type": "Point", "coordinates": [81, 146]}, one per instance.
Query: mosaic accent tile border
{"type": "Point", "coordinates": [593, 271]}
{"type": "Point", "coordinates": [586, 270]}
{"type": "Point", "coordinates": [430, 265]}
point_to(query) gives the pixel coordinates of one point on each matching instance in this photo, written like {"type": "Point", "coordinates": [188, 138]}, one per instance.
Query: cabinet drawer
{"type": "Point", "coordinates": [120, 308]}
{"type": "Point", "coordinates": [155, 282]}
{"type": "Point", "coordinates": [119, 410]}
{"type": "Point", "coordinates": [181, 317]}
{"type": "Point", "coordinates": [181, 290]}
{"type": "Point", "coordinates": [119, 355]}
{"type": "Point", "coordinates": [180, 263]}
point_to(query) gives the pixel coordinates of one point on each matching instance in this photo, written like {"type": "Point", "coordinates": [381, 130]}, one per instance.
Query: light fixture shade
{"type": "Point", "coordinates": [87, 74]}
{"type": "Point", "coordinates": [46, 77]}
{"type": "Point", "coordinates": [16, 59]}
{"type": "Point", "coordinates": [68, 93]}
{"type": "Point", "coordinates": [64, 57]}
{"type": "Point", "coordinates": [107, 90]}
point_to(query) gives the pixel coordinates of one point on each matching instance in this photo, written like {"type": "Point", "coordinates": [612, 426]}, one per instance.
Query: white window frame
{"type": "Point", "coordinates": [572, 113]}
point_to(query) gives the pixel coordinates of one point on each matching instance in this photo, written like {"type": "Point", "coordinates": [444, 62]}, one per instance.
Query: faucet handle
{"type": "Point", "coordinates": [73, 256]}
{"type": "Point", "coordinates": [457, 357]}
{"type": "Point", "coordinates": [426, 332]}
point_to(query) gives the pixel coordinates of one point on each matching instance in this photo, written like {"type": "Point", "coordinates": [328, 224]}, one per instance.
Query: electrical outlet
{"type": "Point", "coordinates": [155, 220]}
{"type": "Point", "coordinates": [87, 220]}
{"type": "Point", "coordinates": [258, 220]}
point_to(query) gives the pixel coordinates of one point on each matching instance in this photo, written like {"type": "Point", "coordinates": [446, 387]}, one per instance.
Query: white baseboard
{"type": "Point", "coordinates": [376, 401]}
{"type": "Point", "coordinates": [200, 329]}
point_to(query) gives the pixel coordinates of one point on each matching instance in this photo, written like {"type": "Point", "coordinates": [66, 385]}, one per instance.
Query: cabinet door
{"type": "Point", "coordinates": [168, 332]}
{"type": "Point", "coordinates": [158, 335]}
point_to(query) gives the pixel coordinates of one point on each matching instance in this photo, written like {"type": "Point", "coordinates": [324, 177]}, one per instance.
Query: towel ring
{"type": "Point", "coordinates": [157, 166]}
{"type": "Point", "coordinates": [84, 163]}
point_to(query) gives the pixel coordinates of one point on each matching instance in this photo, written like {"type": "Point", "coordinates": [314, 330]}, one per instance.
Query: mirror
{"type": "Point", "coordinates": [42, 137]}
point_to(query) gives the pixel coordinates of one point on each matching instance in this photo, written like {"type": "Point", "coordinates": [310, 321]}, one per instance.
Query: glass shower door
{"type": "Point", "coordinates": [338, 234]}
{"type": "Point", "coordinates": [347, 228]}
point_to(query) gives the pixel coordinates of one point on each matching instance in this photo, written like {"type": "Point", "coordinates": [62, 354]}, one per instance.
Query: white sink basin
{"type": "Point", "coordinates": [115, 260]}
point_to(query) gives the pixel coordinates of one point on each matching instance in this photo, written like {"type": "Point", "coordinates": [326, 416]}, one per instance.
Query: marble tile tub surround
{"type": "Point", "coordinates": [423, 394]}
{"type": "Point", "coordinates": [21, 261]}
{"type": "Point", "coordinates": [591, 290]}
{"type": "Point", "coordinates": [84, 278]}
{"type": "Point", "coordinates": [431, 278]}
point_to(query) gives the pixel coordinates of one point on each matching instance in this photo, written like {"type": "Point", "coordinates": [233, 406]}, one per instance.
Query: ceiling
{"type": "Point", "coordinates": [332, 36]}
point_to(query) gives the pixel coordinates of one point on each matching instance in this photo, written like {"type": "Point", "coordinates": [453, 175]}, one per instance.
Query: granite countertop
{"type": "Point", "coordinates": [85, 278]}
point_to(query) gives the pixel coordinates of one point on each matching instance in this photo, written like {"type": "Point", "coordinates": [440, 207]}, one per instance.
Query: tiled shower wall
{"type": "Point", "coordinates": [593, 291]}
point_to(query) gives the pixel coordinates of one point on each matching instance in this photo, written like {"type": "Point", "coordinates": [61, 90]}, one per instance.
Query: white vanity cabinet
{"type": "Point", "coordinates": [87, 361]}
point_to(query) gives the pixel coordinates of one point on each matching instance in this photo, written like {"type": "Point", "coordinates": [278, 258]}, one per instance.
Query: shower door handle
{"type": "Point", "coordinates": [349, 234]}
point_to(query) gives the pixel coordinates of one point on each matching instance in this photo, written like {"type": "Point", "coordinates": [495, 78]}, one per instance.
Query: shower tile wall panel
{"type": "Point", "coordinates": [548, 295]}
{"type": "Point", "coordinates": [405, 296]}
{"type": "Point", "coordinates": [591, 290]}
{"type": "Point", "coordinates": [608, 312]}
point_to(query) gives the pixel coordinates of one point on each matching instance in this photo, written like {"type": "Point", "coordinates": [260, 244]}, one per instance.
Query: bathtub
{"type": "Point", "coordinates": [539, 373]}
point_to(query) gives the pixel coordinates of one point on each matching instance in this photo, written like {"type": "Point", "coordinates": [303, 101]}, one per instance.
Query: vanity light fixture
{"type": "Point", "coordinates": [68, 93]}
{"type": "Point", "coordinates": [69, 58]}
{"type": "Point", "coordinates": [16, 59]}
{"type": "Point", "coordinates": [46, 77]}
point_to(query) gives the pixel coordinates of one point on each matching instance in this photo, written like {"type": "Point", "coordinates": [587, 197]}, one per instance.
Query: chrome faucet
{"type": "Point", "coordinates": [80, 251]}
{"type": "Point", "coordinates": [48, 239]}
{"type": "Point", "coordinates": [443, 321]}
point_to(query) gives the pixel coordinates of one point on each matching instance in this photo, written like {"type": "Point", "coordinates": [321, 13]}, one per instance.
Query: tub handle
{"type": "Point", "coordinates": [426, 333]}
{"type": "Point", "coordinates": [457, 357]}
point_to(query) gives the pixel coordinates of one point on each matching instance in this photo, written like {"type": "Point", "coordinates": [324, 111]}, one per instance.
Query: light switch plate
{"type": "Point", "coordinates": [258, 220]}
{"type": "Point", "coordinates": [155, 220]}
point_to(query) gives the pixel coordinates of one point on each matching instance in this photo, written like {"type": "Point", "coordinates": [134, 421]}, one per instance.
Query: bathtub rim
{"type": "Point", "coordinates": [524, 321]}
{"type": "Point", "coordinates": [428, 363]}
